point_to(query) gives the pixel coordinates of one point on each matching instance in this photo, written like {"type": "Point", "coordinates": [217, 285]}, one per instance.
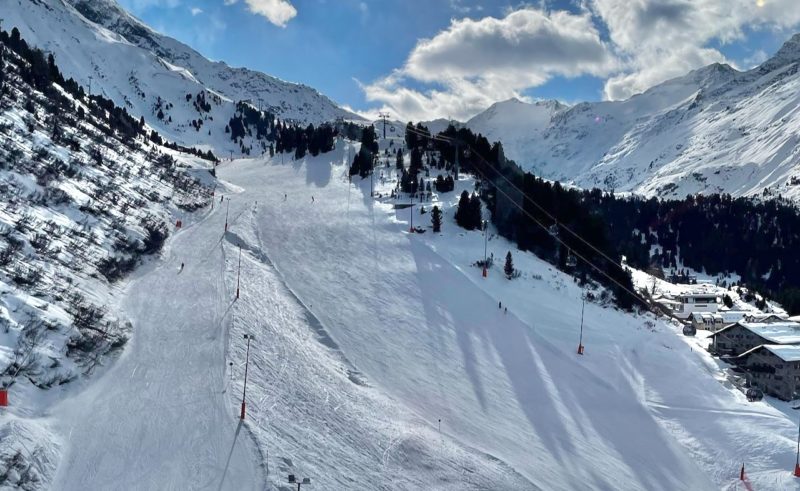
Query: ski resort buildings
{"type": "Point", "coordinates": [743, 336]}
{"type": "Point", "coordinates": [775, 369]}
{"type": "Point", "coordinates": [686, 304]}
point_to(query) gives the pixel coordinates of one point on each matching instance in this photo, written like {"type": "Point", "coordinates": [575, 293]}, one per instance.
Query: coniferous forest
{"type": "Point", "coordinates": [756, 238]}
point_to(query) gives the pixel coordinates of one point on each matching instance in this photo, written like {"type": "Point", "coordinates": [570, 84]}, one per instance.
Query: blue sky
{"type": "Point", "coordinates": [434, 58]}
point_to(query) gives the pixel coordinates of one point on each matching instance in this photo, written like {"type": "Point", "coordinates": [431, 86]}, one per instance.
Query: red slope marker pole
{"type": "Point", "coordinates": [580, 339]}
{"type": "Point", "coordinates": [248, 337]}
{"type": "Point", "coordinates": [239, 274]}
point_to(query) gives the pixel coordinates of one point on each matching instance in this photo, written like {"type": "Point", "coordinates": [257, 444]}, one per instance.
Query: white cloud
{"type": "Point", "coordinates": [661, 39]}
{"type": "Point", "coordinates": [473, 63]}
{"type": "Point", "coordinates": [196, 11]}
{"type": "Point", "coordinates": [279, 12]}
{"type": "Point", "coordinates": [476, 62]}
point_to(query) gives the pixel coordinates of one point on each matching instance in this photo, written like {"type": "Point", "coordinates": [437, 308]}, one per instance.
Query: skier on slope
{"type": "Point", "coordinates": [312, 199]}
{"type": "Point", "coordinates": [181, 268]}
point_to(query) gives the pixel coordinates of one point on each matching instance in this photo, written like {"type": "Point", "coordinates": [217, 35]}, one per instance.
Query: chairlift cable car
{"type": "Point", "coordinates": [572, 261]}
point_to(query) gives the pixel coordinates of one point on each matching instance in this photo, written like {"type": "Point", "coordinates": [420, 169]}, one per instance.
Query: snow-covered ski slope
{"type": "Point", "coordinates": [367, 336]}
{"type": "Point", "coordinates": [715, 129]}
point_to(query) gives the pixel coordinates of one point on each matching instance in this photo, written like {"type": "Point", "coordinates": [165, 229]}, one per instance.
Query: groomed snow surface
{"type": "Point", "coordinates": [367, 337]}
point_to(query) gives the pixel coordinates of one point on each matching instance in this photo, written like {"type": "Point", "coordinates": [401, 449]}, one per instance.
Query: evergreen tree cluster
{"type": "Point", "coordinates": [41, 73]}
{"type": "Point", "coordinates": [487, 161]}
{"type": "Point", "coordinates": [754, 238]}
{"type": "Point", "coordinates": [282, 136]}
{"type": "Point", "coordinates": [444, 184]}
{"type": "Point", "coordinates": [363, 162]}
{"type": "Point", "coordinates": [757, 239]}
{"type": "Point", "coordinates": [468, 214]}
{"type": "Point", "coordinates": [412, 185]}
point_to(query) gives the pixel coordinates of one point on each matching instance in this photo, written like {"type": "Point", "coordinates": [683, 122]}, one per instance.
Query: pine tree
{"type": "Point", "coordinates": [462, 213]}
{"type": "Point", "coordinates": [436, 219]}
{"type": "Point", "coordinates": [475, 217]}
{"type": "Point", "coordinates": [727, 300]}
{"type": "Point", "coordinates": [411, 136]}
{"type": "Point", "coordinates": [509, 267]}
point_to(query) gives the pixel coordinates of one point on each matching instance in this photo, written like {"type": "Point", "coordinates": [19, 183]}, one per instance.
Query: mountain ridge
{"type": "Point", "coordinates": [715, 129]}
{"type": "Point", "coordinates": [158, 84]}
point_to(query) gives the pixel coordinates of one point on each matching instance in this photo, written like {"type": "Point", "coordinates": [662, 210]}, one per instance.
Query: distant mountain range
{"type": "Point", "coordinates": [715, 129]}
{"type": "Point", "coordinates": [104, 48]}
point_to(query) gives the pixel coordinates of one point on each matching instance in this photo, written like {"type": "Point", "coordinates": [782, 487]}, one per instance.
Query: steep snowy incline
{"type": "Point", "coordinates": [161, 418]}
{"type": "Point", "coordinates": [427, 336]}
{"type": "Point", "coordinates": [517, 124]}
{"type": "Point", "coordinates": [640, 410]}
{"type": "Point", "coordinates": [165, 416]}
{"type": "Point", "coordinates": [366, 339]}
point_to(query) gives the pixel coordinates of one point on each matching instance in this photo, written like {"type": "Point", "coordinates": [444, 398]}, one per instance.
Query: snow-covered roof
{"type": "Point", "coordinates": [775, 332]}
{"type": "Point", "coordinates": [785, 352]}
{"type": "Point", "coordinates": [794, 318]}
{"type": "Point", "coordinates": [762, 316]}
{"type": "Point", "coordinates": [732, 316]}
{"type": "Point", "coordinates": [698, 295]}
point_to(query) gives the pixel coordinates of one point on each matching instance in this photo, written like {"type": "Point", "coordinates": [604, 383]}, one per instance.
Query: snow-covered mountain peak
{"type": "Point", "coordinates": [162, 79]}
{"type": "Point", "coordinates": [514, 115]}
{"type": "Point", "coordinates": [788, 53]}
{"type": "Point", "coordinates": [715, 129]}
{"type": "Point", "coordinates": [235, 83]}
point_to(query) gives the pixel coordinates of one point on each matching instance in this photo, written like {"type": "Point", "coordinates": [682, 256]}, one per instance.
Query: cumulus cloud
{"type": "Point", "coordinates": [279, 12]}
{"type": "Point", "coordinates": [475, 62]}
{"type": "Point", "coordinates": [662, 39]}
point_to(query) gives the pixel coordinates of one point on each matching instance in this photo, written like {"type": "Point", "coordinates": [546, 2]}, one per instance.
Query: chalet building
{"type": "Point", "coordinates": [775, 369]}
{"type": "Point", "coordinates": [743, 336]}
{"type": "Point", "coordinates": [686, 304]}
{"type": "Point", "coordinates": [764, 317]}
{"type": "Point", "coordinates": [715, 322]}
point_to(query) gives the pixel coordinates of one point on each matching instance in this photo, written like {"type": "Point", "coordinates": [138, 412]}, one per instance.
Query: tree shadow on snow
{"type": "Point", "coordinates": [442, 289]}
{"type": "Point", "coordinates": [318, 172]}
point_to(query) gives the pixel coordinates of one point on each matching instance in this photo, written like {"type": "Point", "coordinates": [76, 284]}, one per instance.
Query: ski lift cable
{"type": "Point", "coordinates": [556, 237]}
{"type": "Point", "coordinates": [581, 257]}
{"type": "Point", "coordinates": [537, 205]}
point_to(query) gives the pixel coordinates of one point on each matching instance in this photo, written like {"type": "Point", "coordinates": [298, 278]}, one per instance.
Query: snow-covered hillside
{"type": "Point", "coordinates": [714, 130]}
{"type": "Point", "coordinates": [517, 124]}
{"type": "Point", "coordinates": [84, 195]}
{"type": "Point", "coordinates": [89, 38]}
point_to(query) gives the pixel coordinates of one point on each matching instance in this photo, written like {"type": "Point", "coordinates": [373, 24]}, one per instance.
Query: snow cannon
{"type": "Point", "coordinates": [580, 349]}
